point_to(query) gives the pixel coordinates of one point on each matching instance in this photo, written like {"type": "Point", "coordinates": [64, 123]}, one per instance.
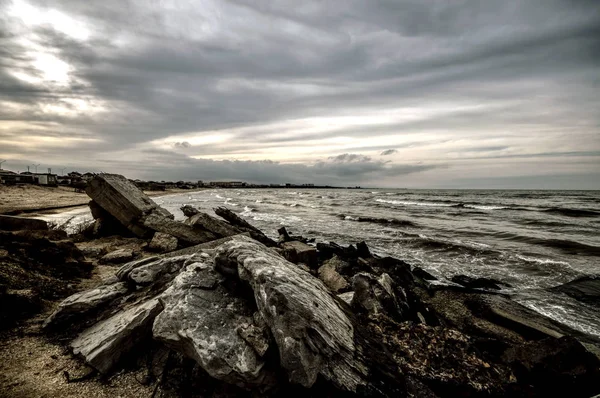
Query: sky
{"type": "Point", "coordinates": [378, 93]}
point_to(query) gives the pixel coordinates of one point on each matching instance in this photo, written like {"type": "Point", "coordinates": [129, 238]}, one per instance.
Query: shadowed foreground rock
{"type": "Point", "coordinates": [248, 317]}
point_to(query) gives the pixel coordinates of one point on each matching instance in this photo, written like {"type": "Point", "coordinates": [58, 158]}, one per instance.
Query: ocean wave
{"type": "Point", "coordinates": [403, 203]}
{"type": "Point", "coordinates": [564, 211]}
{"type": "Point", "coordinates": [541, 261]}
{"type": "Point", "coordinates": [564, 245]}
{"type": "Point", "coordinates": [377, 220]}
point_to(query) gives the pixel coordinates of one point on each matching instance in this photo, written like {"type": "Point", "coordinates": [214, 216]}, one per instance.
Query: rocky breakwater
{"type": "Point", "coordinates": [233, 312]}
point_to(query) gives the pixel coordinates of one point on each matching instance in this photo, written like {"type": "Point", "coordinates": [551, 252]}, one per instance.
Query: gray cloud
{"type": "Point", "coordinates": [442, 83]}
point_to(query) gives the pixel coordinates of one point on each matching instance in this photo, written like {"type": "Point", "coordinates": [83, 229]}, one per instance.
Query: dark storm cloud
{"type": "Point", "coordinates": [461, 77]}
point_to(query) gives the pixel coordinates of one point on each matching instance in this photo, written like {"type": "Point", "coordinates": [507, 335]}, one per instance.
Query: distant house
{"type": "Point", "coordinates": [47, 179]}
{"type": "Point", "coordinates": [11, 178]}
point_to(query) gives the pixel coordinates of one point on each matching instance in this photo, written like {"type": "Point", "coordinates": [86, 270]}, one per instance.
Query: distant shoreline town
{"type": "Point", "coordinates": [79, 180]}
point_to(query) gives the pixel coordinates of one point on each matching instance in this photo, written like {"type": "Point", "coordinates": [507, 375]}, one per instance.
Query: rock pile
{"type": "Point", "coordinates": [284, 318]}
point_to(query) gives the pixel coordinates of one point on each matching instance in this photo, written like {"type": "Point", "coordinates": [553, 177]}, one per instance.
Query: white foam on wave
{"type": "Point", "coordinates": [403, 203]}
{"type": "Point", "coordinates": [483, 207]}
{"type": "Point", "coordinates": [543, 261]}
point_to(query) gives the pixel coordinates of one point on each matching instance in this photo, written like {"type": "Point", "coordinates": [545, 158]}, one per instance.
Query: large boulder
{"type": "Point", "coordinates": [314, 335]}
{"type": "Point", "coordinates": [201, 320]}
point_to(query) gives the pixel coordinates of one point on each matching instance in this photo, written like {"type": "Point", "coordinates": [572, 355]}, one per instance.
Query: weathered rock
{"type": "Point", "coordinates": [189, 211]}
{"type": "Point", "coordinates": [555, 367]}
{"type": "Point", "coordinates": [362, 250]}
{"type": "Point", "coordinates": [376, 296]}
{"type": "Point", "coordinates": [477, 283]}
{"type": "Point", "coordinates": [213, 225]}
{"type": "Point", "coordinates": [201, 320]}
{"type": "Point", "coordinates": [245, 226]}
{"type": "Point", "coordinates": [118, 256]}
{"type": "Point", "coordinates": [163, 269]}
{"type": "Point", "coordinates": [105, 343]}
{"type": "Point", "coordinates": [204, 246]}
{"type": "Point", "coordinates": [14, 223]}
{"type": "Point", "coordinates": [183, 232]}
{"type": "Point", "coordinates": [298, 252]}
{"type": "Point", "coordinates": [332, 279]}
{"type": "Point", "coordinates": [163, 243]}
{"type": "Point", "coordinates": [81, 304]}
{"type": "Point", "coordinates": [313, 334]}
{"type": "Point", "coordinates": [586, 289]}
{"type": "Point", "coordinates": [124, 201]}
{"type": "Point", "coordinates": [421, 273]}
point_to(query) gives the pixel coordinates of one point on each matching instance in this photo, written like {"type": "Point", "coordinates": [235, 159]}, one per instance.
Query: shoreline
{"type": "Point", "coordinates": [29, 200]}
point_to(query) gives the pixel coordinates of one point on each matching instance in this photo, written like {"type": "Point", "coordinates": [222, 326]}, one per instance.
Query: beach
{"type": "Point", "coordinates": [29, 198]}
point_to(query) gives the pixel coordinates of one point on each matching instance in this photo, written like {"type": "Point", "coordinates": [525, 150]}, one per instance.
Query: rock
{"type": "Point", "coordinates": [164, 269]}
{"type": "Point", "coordinates": [298, 252]}
{"type": "Point", "coordinates": [124, 201]}
{"type": "Point", "coordinates": [245, 226]}
{"type": "Point", "coordinates": [80, 304]}
{"type": "Point", "coordinates": [376, 296]}
{"type": "Point", "coordinates": [118, 256]}
{"type": "Point", "coordinates": [362, 250]}
{"type": "Point", "coordinates": [586, 289]}
{"type": "Point", "coordinates": [314, 336]}
{"type": "Point", "coordinates": [189, 211]}
{"type": "Point", "coordinates": [201, 320]}
{"type": "Point", "coordinates": [283, 235]}
{"type": "Point", "coordinates": [14, 223]}
{"type": "Point", "coordinates": [421, 273]}
{"type": "Point", "coordinates": [105, 343]}
{"type": "Point", "coordinates": [163, 243]}
{"type": "Point", "coordinates": [347, 297]}
{"type": "Point", "coordinates": [332, 279]}
{"type": "Point", "coordinates": [555, 367]}
{"type": "Point", "coordinates": [183, 232]}
{"type": "Point", "coordinates": [204, 246]}
{"type": "Point", "coordinates": [477, 283]}
{"type": "Point", "coordinates": [213, 225]}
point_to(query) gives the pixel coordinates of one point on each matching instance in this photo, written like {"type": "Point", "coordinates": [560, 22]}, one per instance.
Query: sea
{"type": "Point", "coordinates": [532, 240]}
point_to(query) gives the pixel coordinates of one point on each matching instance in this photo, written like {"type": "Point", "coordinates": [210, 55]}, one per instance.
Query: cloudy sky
{"type": "Point", "coordinates": [391, 93]}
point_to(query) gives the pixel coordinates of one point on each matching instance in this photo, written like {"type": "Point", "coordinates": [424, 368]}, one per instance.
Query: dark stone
{"type": "Point", "coordinates": [362, 250]}
{"type": "Point", "coordinates": [189, 211]}
{"type": "Point", "coordinates": [555, 367]}
{"type": "Point", "coordinates": [244, 226]}
{"type": "Point", "coordinates": [586, 289]}
{"type": "Point", "coordinates": [421, 273]}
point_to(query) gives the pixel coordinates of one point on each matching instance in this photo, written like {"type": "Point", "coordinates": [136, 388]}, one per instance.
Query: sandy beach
{"type": "Point", "coordinates": [39, 199]}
